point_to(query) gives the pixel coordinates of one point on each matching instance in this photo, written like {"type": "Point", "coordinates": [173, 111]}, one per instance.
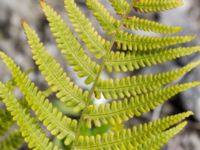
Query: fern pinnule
{"type": "Point", "coordinates": [156, 5]}
{"type": "Point", "coordinates": [71, 95]}
{"type": "Point", "coordinates": [59, 125]}
{"type": "Point", "coordinates": [130, 139]}
{"type": "Point", "coordinates": [127, 41]}
{"type": "Point", "coordinates": [107, 21]}
{"type": "Point", "coordinates": [120, 6]}
{"type": "Point", "coordinates": [30, 130]}
{"type": "Point", "coordinates": [135, 85]}
{"type": "Point", "coordinates": [86, 31]}
{"type": "Point", "coordinates": [136, 23]}
{"type": "Point", "coordinates": [129, 61]}
{"type": "Point", "coordinates": [69, 45]}
{"type": "Point", "coordinates": [118, 111]}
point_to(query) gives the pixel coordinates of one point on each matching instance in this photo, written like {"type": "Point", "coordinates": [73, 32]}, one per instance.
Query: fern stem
{"type": "Point", "coordinates": [99, 73]}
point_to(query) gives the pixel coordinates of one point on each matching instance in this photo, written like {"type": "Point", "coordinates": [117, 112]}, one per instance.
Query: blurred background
{"type": "Point", "coordinates": [13, 42]}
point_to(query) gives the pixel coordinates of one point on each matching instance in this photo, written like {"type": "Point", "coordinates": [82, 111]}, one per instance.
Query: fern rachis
{"type": "Point", "coordinates": [131, 96]}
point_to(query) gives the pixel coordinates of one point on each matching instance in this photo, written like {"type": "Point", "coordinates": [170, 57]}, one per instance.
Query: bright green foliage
{"type": "Point", "coordinates": [108, 22]}
{"type": "Point", "coordinates": [156, 5]}
{"type": "Point", "coordinates": [136, 23]}
{"type": "Point", "coordinates": [70, 94]}
{"type": "Point", "coordinates": [129, 61]}
{"type": "Point", "coordinates": [122, 110]}
{"type": "Point", "coordinates": [131, 86]}
{"type": "Point", "coordinates": [69, 46]}
{"type": "Point", "coordinates": [29, 127]}
{"type": "Point", "coordinates": [127, 41]}
{"type": "Point", "coordinates": [86, 31]}
{"type": "Point", "coordinates": [134, 138]}
{"type": "Point", "coordinates": [99, 127]}
{"type": "Point", "coordinates": [12, 141]}
{"type": "Point", "coordinates": [56, 122]}
{"type": "Point", "coordinates": [120, 6]}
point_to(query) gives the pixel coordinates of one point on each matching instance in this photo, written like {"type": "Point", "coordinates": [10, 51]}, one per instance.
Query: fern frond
{"type": "Point", "coordinates": [128, 41]}
{"type": "Point", "coordinates": [129, 61]}
{"type": "Point", "coordinates": [107, 21]}
{"type": "Point", "coordinates": [120, 6]}
{"type": "Point", "coordinates": [129, 139]}
{"type": "Point", "coordinates": [30, 130]}
{"type": "Point", "coordinates": [12, 141]}
{"type": "Point", "coordinates": [135, 85]}
{"type": "Point", "coordinates": [86, 31]}
{"type": "Point", "coordinates": [71, 95]}
{"type": "Point", "coordinates": [156, 5]}
{"type": "Point", "coordinates": [59, 125]}
{"type": "Point", "coordinates": [119, 111]}
{"type": "Point", "coordinates": [5, 121]}
{"type": "Point", "coordinates": [136, 23]}
{"type": "Point", "coordinates": [69, 45]}
{"type": "Point", "coordinates": [159, 140]}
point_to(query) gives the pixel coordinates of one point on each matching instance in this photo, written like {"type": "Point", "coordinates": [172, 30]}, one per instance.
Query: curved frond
{"type": "Point", "coordinates": [71, 95]}
{"type": "Point", "coordinates": [130, 139]}
{"type": "Point", "coordinates": [135, 85]}
{"type": "Point", "coordinates": [30, 130]}
{"type": "Point", "coordinates": [12, 141]}
{"type": "Point", "coordinates": [129, 61]}
{"type": "Point", "coordinates": [120, 6]}
{"type": "Point", "coordinates": [69, 45]}
{"type": "Point", "coordinates": [156, 5]}
{"type": "Point", "coordinates": [59, 125]}
{"type": "Point", "coordinates": [159, 140]}
{"type": "Point", "coordinates": [132, 42]}
{"type": "Point", "coordinates": [106, 20]}
{"type": "Point", "coordinates": [119, 111]}
{"type": "Point", "coordinates": [136, 23]}
{"type": "Point", "coordinates": [86, 31]}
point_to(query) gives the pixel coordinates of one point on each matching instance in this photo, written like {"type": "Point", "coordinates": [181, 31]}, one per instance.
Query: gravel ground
{"type": "Point", "coordinates": [12, 41]}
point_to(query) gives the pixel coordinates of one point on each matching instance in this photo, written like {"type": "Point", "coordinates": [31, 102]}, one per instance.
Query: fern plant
{"type": "Point", "coordinates": [98, 127]}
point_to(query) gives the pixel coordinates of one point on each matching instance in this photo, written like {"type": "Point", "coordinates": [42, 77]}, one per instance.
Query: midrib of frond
{"type": "Point", "coordinates": [91, 92]}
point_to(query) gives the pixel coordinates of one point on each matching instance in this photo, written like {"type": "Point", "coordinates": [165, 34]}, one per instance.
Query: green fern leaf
{"type": "Point", "coordinates": [127, 41]}
{"type": "Point", "coordinates": [119, 111]}
{"type": "Point", "coordinates": [58, 124]}
{"type": "Point", "coordinates": [159, 140]}
{"type": "Point", "coordinates": [156, 5]}
{"type": "Point", "coordinates": [12, 141]}
{"type": "Point", "coordinates": [135, 85]}
{"type": "Point", "coordinates": [130, 139]}
{"type": "Point", "coordinates": [29, 127]}
{"type": "Point", "coordinates": [71, 95]}
{"type": "Point", "coordinates": [86, 31]}
{"type": "Point", "coordinates": [69, 45]}
{"type": "Point", "coordinates": [120, 6]}
{"type": "Point", "coordinates": [130, 61]}
{"type": "Point", "coordinates": [136, 23]}
{"type": "Point", "coordinates": [108, 22]}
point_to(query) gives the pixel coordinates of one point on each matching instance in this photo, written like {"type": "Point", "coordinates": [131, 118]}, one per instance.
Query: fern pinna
{"type": "Point", "coordinates": [95, 128]}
